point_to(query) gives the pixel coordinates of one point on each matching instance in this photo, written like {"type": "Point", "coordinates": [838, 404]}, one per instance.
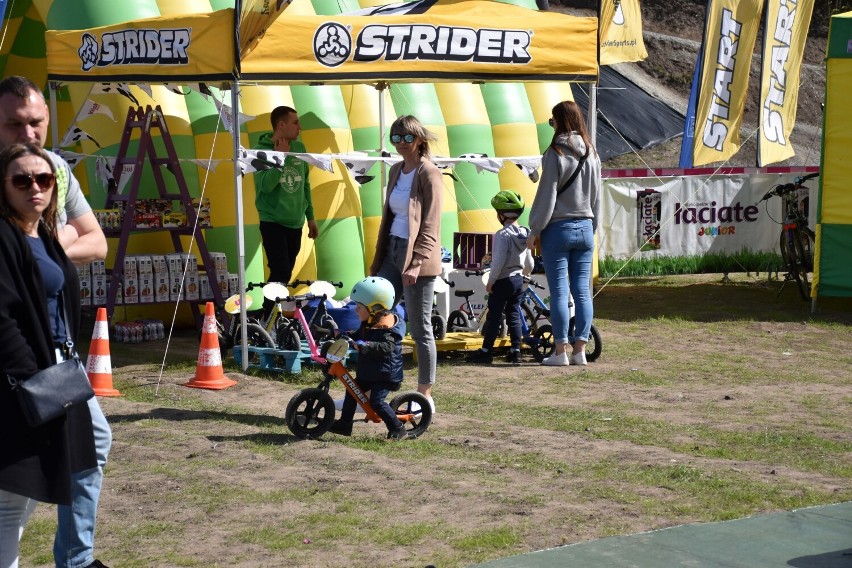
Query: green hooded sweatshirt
{"type": "Point", "coordinates": [283, 195]}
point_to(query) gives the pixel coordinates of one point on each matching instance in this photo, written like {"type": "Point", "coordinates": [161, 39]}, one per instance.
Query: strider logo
{"type": "Point", "coordinates": [333, 44]}
{"type": "Point", "coordinates": [135, 47]}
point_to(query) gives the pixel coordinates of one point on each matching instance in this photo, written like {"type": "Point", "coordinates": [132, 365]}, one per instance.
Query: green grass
{"type": "Point", "coordinates": [744, 261]}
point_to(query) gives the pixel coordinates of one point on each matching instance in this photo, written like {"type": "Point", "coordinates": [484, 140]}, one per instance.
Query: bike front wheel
{"type": "Point", "coordinates": [414, 412]}
{"type": "Point", "coordinates": [543, 344]}
{"type": "Point", "coordinates": [439, 326]}
{"type": "Point", "coordinates": [256, 336]}
{"type": "Point", "coordinates": [457, 321]}
{"type": "Point", "coordinates": [310, 413]}
{"type": "Point", "coordinates": [794, 255]}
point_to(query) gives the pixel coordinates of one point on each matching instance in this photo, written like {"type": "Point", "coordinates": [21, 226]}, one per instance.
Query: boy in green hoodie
{"type": "Point", "coordinates": [283, 198]}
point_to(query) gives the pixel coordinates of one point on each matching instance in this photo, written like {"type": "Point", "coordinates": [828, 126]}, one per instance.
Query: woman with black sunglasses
{"type": "Point", "coordinates": [35, 277]}
{"type": "Point", "coordinates": [408, 249]}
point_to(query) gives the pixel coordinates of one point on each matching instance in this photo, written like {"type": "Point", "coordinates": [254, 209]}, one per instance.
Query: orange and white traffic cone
{"type": "Point", "coordinates": [99, 365]}
{"type": "Point", "coordinates": [208, 372]}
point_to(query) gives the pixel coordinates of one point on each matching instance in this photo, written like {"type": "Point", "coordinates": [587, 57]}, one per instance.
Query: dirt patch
{"type": "Point", "coordinates": [705, 393]}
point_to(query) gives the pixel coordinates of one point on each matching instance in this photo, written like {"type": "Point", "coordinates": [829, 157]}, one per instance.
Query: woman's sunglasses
{"type": "Point", "coordinates": [397, 138]}
{"type": "Point", "coordinates": [23, 182]}
{"type": "Point", "coordinates": [551, 122]}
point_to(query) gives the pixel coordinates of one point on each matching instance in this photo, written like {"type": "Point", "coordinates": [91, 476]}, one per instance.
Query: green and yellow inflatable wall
{"type": "Point", "coordinates": [497, 119]}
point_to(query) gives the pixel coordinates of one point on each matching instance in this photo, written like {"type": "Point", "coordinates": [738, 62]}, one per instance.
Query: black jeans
{"type": "Point", "coordinates": [378, 393]}
{"type": "Point", "coordinates": [504, 299]}
{"type": "Point", "coordinates": [281, 245]}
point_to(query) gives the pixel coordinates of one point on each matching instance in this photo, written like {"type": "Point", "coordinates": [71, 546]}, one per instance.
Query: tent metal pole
{"type": "Point", "coordinates": [238, 197]}
{"type": "Point", "coordinates": [380, 87]}
{"type": "Point", "coordinates": [54, 124]}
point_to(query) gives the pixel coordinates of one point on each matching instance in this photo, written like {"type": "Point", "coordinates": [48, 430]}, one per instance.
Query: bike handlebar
{"type": "Point", "coordinates": [803, 179]}
{"type": "Point", "coordinates": [295, 283]}
{"type": "Point", "coordinates": [529, 281]}
{"type": "Point", "coordinates": [474, 272]}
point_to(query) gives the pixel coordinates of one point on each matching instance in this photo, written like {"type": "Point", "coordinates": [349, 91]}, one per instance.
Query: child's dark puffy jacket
{"type": "Point", "coordinates": [380, 360]}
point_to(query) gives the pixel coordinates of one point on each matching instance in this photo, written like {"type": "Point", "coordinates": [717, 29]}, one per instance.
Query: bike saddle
{"type": "Point", "coordinates": [464, 293]}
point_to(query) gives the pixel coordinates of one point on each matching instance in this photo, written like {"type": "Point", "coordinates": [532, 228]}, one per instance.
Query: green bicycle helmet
{"type": "Point", "coordinates": [375, 292]}
{"type": "Point", "coordinates": [508, 202]}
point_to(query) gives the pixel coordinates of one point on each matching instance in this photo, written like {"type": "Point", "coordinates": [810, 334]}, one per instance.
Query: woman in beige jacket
{"type": "Point", "coordinates": [408, 249]}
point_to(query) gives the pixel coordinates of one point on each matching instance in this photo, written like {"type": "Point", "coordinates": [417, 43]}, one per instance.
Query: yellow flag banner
{"type": "Point", "coordinates": [621, 32]}
{"type": "Point", "coordinates": [196, 47]}
{"type": "Point", "coordinates": [787, 23]}
{"type": "Point", "coordinates": [255, 17]}
{"type": "Point", "coordinates": [729, 37]}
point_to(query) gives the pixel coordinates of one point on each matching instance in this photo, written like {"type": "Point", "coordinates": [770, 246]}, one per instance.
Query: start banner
{"type": "Point", "coordinates": [693, 215]}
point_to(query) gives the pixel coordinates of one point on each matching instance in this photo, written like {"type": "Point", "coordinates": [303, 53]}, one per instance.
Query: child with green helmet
{"type": "Point", "coordinates": [379, 345]}
{"type": "Point", "coordinates": [510, 260]}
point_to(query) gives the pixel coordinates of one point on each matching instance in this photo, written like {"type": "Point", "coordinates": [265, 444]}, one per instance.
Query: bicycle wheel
{"type": "Point", "coordinates": [594, 346]}
{"type": "Point", "coordinates": [257, 337]}
{"type": "Point", "coordinates": [286, 337]}
{"type": "Point", "coordinates": [792, 252]}
{"type": "Point", "coordinates": [439, 326]}
{"type": "Point", "coordinates": [417, 407]}
{"type": "Point", "coordinates": [457, 321]}
{"type": "Point", "coordinates": [310, 413]}
{"type": "Point", "coordinates": [543, 344]}
{"type": "Point", "coordinates": [804, 260]}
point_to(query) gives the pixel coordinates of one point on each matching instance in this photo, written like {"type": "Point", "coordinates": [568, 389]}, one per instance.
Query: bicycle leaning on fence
{"type": "Point", "coordinates": [797, 238]}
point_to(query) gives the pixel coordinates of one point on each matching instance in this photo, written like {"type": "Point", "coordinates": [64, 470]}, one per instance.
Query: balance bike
{"type": "Point", "coordinates": [310, 413]}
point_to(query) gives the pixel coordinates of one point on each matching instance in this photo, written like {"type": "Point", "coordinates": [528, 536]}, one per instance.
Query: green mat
{"type": "Point", "coordinates": [817, 537]}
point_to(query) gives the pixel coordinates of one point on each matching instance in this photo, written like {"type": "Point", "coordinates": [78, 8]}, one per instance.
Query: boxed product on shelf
{"type": "Point", "coordinates": [131, 289]}
{"type": "Point", "coordinates": [202, 209]}
{"type": "Point", "coordinates": [222, 279]}
{"type": "Point", "coordinates": [108, 218]}
{"type": "Point", "coordinates": [84, 271]}
{"type": "Point", "coordinates": [206, 290]}
{"type": "Point", "coordinates": [99, 289]}
{"type": "Point", "coordinates": [149, 221]}
{"type": "Point", "coordinates": [130, 267]}
{"type": "Point", "coordinates": [146, 288]}
{"type": "Point", "coordinates": [220, 262]}
{"type": "Point", "coordinates": [174, 219]}
{"type": "Point", "coordinates": [144, 265]}
{"type": "Point", "coordinates": [98, 267]}
{"type": "Point", "coordinates": [162, 286]}
{"type": "Point", "coordinates": [175, 291]}
{"type": "Point", "coordinates": [86, 291]}
{"type": "Point", "coordinates": [158, 263]}
{"type": "Point", "coordinates": [192, 289]}
{"type": "Point", "coordinates": [233, 284]}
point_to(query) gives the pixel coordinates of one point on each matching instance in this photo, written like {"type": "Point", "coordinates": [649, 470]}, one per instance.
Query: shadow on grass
{"type": "Point", "coordinates": [632, 299]}
{"type": "Point", "coordinates": [181, 415]}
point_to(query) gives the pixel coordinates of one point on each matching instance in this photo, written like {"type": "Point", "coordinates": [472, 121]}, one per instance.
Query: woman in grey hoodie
{"type": "Point", "coordinates": [564, 218]}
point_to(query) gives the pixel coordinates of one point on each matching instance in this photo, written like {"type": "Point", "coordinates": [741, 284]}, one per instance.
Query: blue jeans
{"type": "Point", "coordinates": [14, 511]}
{"type": "Point", "coordinates": [567, 247]}
{"type": "Point", "coordinates": [75, 532]}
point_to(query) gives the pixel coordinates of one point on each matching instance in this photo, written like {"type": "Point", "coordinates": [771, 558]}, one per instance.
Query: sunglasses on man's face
{"type": "Point", "coordinates": [23, 182]}
{"type": "Point", "coordinates": [397, 138]}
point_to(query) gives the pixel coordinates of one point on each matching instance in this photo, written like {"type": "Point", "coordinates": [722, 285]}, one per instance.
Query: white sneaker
{"type": "Point", "coordinates": [578, 358]}
{"type": "Point", "coordinates": [560, 360]}
{"type": "Point", "coordinates": [338, 405]}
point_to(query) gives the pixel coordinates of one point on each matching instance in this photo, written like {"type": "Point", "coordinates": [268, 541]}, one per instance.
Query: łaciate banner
{"type": "Point", "coordinates": [621, 32]}
{"type": "Point", "coordinates": [729, 38]}
{"type": "Point", "coordinates": [787, 23]}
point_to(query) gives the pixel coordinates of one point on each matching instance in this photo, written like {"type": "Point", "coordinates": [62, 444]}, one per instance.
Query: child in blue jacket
{"type": "Point", "coordinates": [379, 346]}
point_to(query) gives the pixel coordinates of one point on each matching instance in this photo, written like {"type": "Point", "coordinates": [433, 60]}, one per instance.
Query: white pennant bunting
{"type": "Point", "coordinates": [91, 108]}
{"type": "Point", "coordinates": [74, 135]}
